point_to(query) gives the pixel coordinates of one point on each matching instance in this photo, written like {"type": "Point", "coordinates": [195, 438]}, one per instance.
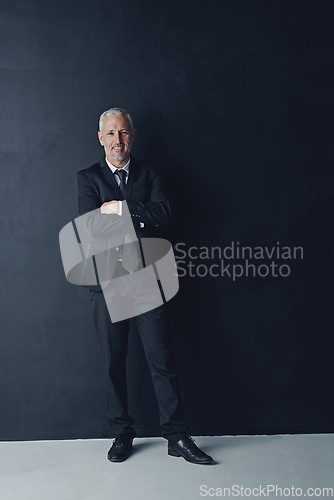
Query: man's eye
{"type": "Point", "coordinates": [124, 132]}
{"type": "Point", "coordinates": [110, 133]}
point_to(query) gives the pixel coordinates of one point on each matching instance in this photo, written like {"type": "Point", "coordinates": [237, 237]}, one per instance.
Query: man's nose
{"type": "Point", "coordinates": [119, 138]}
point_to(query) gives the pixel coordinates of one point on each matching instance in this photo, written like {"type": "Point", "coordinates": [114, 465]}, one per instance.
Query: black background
{"type": "Point", "coordinates": [235, 100]}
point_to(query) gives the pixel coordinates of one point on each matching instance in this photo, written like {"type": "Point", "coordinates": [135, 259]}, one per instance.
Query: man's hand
{"type": "Point", "coordinates": [110, 207]}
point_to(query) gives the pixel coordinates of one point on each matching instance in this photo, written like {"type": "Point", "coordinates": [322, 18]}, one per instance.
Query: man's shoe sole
{"type": "Point", "coordinates": [115, 460]}
{"type": "Point", "coordinates": [176, 454]}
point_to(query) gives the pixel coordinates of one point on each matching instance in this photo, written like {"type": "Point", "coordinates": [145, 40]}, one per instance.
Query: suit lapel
{"type": "Point", "coordinates": [132, 174]}
{"type": "Point", "coordinates": [110, 177]}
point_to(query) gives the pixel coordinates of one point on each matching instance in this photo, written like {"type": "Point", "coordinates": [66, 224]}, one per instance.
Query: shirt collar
{"type": "Point", "coordinates": [113, 168]}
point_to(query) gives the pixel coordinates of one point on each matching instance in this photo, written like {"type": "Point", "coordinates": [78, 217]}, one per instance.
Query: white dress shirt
{"type": "Point", "coordinates": [126, 168]}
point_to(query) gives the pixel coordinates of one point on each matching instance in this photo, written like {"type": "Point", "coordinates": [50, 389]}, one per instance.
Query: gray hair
{"type": "Point", "coordinates": [115, 111]}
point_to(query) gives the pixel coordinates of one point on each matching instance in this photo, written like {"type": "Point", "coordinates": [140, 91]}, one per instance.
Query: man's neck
{"type": "Point", "coordinates": [113, 167]}
{"type": "Point", "coordinates": [119, 164]}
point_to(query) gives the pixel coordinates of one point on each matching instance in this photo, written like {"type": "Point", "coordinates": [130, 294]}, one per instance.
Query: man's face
{"type": "Point", "coordinates": [117, 138]}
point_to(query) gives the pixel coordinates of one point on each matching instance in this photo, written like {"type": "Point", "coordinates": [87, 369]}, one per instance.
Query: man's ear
{"type": "Point", "coordinates": [133, 134]}
{"type": "Point", "coordinates": [100, 138]}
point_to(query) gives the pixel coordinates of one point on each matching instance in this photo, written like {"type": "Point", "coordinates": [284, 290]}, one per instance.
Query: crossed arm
{"type": "Point", "coordinates": [154, 212]}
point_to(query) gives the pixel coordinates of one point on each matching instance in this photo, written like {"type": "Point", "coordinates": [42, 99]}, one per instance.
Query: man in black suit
{"type": "Point", "coordinates": [104, 185]}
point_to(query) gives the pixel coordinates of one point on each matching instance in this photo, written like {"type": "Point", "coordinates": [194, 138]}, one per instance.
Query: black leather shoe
{"type": "Point", "coordinates": [121, 448]}
{"type": "Point", "coordinates": [187, 449]}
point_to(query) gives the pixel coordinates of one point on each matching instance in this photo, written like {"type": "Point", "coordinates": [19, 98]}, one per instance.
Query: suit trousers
{"type": "Point", "coordinates": [154, 330]}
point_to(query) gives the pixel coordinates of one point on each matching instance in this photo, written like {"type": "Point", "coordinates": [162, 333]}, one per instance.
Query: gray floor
{"type": "Point", "coordinates": [79, 470]}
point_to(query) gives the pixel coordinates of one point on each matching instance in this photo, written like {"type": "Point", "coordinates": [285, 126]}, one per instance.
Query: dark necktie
{"type": "Point", "coordinates": [128, 253]}
{"type": "Point", "coordinates": [122, 176]}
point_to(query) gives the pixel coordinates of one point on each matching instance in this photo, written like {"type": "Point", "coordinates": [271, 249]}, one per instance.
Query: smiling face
{"type": "Point", "coordinates": [117, 138]}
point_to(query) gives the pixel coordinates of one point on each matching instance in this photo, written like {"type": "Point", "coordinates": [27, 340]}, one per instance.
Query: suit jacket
{"type": "Point", "coordinates": [145, 194]}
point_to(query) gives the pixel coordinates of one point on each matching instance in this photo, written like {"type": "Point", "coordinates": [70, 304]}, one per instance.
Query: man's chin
{"type": "Point", "coordinates": [119, 158]}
